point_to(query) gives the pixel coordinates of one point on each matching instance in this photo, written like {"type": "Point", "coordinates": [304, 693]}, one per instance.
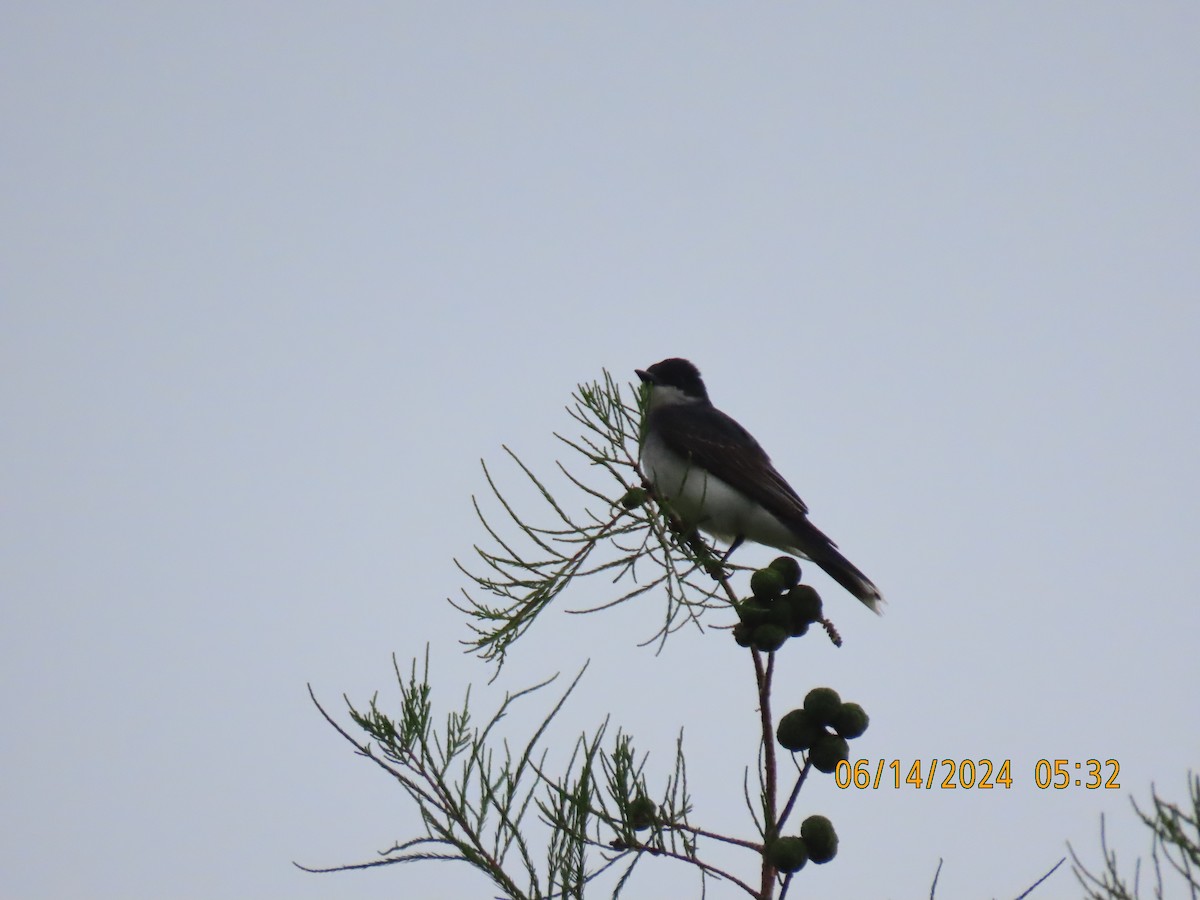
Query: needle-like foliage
{"type": "Point", "coordinates": [1175, 838]}
{"type": "Point", "coordinates": [629, 539]}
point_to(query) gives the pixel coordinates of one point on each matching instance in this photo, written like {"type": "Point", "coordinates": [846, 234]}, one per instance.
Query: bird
{"type": "Point", "coordinates": [716, 477]}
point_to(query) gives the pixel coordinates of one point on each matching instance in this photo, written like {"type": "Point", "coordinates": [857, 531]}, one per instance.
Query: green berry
{"type": "Point", "coordinates": [797, 629]}
{"type": "Point", "coordinates": [753, 612]}
{"type": "Point", "coordinates": [797, 731]}
{"type": "Point", "coordinates": [788, 568]}
{"type": "Point", "coordinates": [642, 812]}
{"type": "Point", "coordinates": [820, 838]}
{"type": "Point", "coordinates": [766, 584]}
{"type": "Point", "coordinates": [787, 854]}
{"type": "Point", "coordinates": [805, 603]}
{"type": "Point", "coordinates": [634, 497]}
{"type": "Point", "coordinates": [822, 704]}
{"type": "Point", "coordinates": [779, 613]}
{"type": "Point", "coordinates": [768, 638]}
{"type": "Point", "coordinates": [799, 609]}
{"type": "Point", "coordinates": [827, 751]}
{"type": "Point", "coordinates": [850, 721]}
{"type": "Point", "coordinates": [742, 634]}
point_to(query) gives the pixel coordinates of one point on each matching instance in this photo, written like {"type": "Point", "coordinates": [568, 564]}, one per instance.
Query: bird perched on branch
{"type": "Point", "coordinates": [716, 477]}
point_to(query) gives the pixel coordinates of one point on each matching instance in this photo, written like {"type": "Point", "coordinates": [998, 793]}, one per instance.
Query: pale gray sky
{"type": "Point", "coordinates": [274, 277]}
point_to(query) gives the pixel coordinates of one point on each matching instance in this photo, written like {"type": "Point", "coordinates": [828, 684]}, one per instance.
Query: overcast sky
{"type": "Point", "coordinates": [275, 277]}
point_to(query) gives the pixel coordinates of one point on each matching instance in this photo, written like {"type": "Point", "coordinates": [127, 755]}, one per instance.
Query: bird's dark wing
{"type": "Point", "coordinates": [718, 444]}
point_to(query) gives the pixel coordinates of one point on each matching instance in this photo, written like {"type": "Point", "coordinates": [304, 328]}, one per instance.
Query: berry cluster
{"type": "Point", "coordinates": [822, 727]}
{"type": "Point", "coordinates": [781, 607]}
{"type": "Point", "coordinates": [642, 812]}
{"type": "Point", "coordinates": [817, 842]}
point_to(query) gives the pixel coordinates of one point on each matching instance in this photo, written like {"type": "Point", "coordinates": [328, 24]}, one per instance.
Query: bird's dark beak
{"type": "Point", "coordinates": [645, 376]}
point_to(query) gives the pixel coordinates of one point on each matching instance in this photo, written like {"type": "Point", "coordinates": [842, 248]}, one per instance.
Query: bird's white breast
{"type": "Point", "coordinates": [706, 502]}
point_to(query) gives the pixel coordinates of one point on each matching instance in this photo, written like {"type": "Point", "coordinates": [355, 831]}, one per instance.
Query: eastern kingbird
{"type": "Point", "coordinates": [717, 478]}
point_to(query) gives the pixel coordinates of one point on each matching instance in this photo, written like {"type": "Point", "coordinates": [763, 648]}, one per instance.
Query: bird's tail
{"type": "Point", "coordinates": [850, 577]}
{"type": "Point", "coordinates": [820, 549]}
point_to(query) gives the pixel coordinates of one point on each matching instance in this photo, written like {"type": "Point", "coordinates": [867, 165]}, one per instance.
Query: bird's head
{"type": "Point", "coordinates": [673, 381]}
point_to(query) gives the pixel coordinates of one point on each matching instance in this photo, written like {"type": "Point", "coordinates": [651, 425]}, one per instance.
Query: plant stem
{"type": "Point", "coordinates": [763, 676]}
